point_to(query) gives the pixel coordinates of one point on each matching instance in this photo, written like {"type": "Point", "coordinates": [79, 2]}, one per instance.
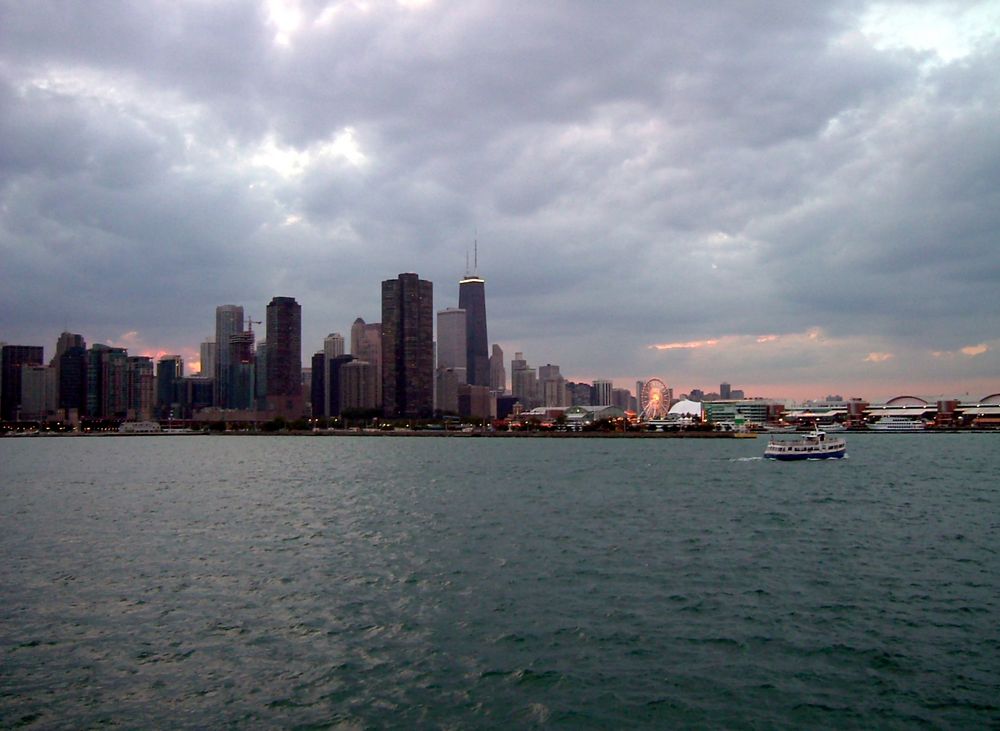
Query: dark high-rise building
{"type": "Point", "coordinates": [472, 299]}
{"type": "Point", "coordinates": [725, 391]}
{"type": "Point", "coordinates": [169, 372]}
{"type": "Point", "coordinates": [284, 357]}
{"type": "Point", "coordinates": [317, 385]}
{"type": "Point", "coordinates": [12, 358]}
{"type": "Point", "coordinates": [241, 370]}
{"type": "Point", "coordinates": [335, 383]}
{"type": "Point", "coordinates": [107, 382]}
{"type": "Point", "coordinates": [407, 346]}
{"type": "Point", "coordinates": [73, 380]}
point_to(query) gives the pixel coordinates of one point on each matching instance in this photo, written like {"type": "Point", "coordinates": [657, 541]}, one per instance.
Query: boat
{"type": "Point", "coordinates": [897, 423]}
{"type": "Point", "coordinates": [814, 445]}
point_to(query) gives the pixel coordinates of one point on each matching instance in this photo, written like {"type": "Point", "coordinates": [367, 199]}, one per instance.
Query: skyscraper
{"type": "Point", "coordinates": [241, 370]}
{"type": "Point", "coordinates": [284, 357]}
{"type": "Point", "coordinates": [12, 358]}
{"type": "Point", "coordinates": [169, 372]}
{"type": "Point", "coordinates": [472, 299]}
{"type": "Point", "coordinates": [107, 382]}
{"type": "Point", "coordinates": [228, 322]}
{"type": "Point", "coordinates": [366, 345]}
{"type": "Point", "coordinates": [141, 388]}
{"type": "Point", "coordinates": [207, 352]}
{"type": "Point", "coordinates": [407, 346]}
{"type": "Point", "coordinates": [498, 374]}
{"type": "Point", "coordinates": [602, 393]}
{"type": "Point", "coordinates": [451, 341]}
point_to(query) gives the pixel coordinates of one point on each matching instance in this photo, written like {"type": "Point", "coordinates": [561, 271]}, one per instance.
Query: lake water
{"type": "Point", "coordinates": [476, 583]}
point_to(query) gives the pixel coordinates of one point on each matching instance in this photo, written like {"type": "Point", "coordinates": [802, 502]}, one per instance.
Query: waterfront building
{"type": "Point", "coordinates": [753, 411]}
{"type": "Point", "coordinates": [169, 372]}
{"type": "Point", "coordinates": [446, 385]}
{"type": "Point", "coordinates": [552, 386]}
{"type": "Point", "coordinates": [498, 374]}
{"type": "Point", "coordinates": [242, 370]}
{"type": "Point", "coordinates": [623, 399]}
{"type": "Point", "coordinates": [579, 394]}
{"type": "Point", "coordinates": [472, 299]}
{"type": "Point", "coordinates": [357, 386]}
{"type": "Point", "coordinates": [228, 322]}
{"type": "Point", "coordinates": [72, 387]}
{"type": "Point", "coordinates": [141, 388]}
{"type": "Point", "coordinates": [475, 402]}
{"type": "Point", "coordinates": [207, 357]}
{"type": "Point", "coordinates": [37, 391]}
{"type": "Point", "coordinates": [407, 346]}
{"type": "Point", "coordinates": [284, 357]}
{"type": "Point", "coordinates": [366, 345]}
{"type": "Point", "coordinates": [12, 358]}
{"type": "Point", "coordinates": [451, 341]}
{"type": "Point", "coordinates": [107, 382]}
{"type": "Point", "coordinates": [260, 375]}
{"type": "Point", "coordinates": [523, 382]}
{"type": "Point", "coordinates": [317, 386]}
{"type": "Point", "coordinates": [601, 391]}
{"type": "Point", "coordinates": [195, 393]}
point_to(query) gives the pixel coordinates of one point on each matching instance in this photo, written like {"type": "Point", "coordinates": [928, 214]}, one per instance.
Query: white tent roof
{"type": "Point", "coordinates": [691, 408]}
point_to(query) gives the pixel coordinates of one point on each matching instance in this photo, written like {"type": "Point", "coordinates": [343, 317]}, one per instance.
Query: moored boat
{"type": "Point", "coordinates": [898, 423]}
{"type": "Point", "coordinates": [814, 445]}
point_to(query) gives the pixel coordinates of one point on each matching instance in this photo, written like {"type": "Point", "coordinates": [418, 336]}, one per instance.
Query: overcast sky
{"type": "Point", "coordinates": [800, 198]}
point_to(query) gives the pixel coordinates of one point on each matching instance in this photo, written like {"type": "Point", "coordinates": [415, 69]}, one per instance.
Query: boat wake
{"type": "Point", "coordinates": [746, 459]}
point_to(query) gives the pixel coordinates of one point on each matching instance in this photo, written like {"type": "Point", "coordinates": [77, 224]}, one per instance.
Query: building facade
{"type": "Point", "coordinates": [12, 358]}
{"type": "Point", "coordinates": [284, 357]}
{"type": "Point", "coordinates": [228, 322]}
{"type": "Point", "coordinates": [472, 299]}
{"type": "Point", "coordinates": [407, 346]}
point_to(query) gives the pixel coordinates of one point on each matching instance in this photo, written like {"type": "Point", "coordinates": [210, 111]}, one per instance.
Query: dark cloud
{"type": "Point", "coordinates": [638, 174]}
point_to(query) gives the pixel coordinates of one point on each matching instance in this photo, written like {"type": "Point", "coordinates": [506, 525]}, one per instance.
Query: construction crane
{"type": "Point", "coordinates": [251, 323]}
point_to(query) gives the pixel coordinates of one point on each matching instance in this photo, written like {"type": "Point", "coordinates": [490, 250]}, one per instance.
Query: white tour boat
{"type": "Point", "coordinates": [814, 445]}
{"type": "Point", "coordinates": [898, 423]}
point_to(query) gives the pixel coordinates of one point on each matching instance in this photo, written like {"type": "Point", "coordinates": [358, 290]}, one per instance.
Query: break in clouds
{"type": "Point", "coordinates": [790, 196]}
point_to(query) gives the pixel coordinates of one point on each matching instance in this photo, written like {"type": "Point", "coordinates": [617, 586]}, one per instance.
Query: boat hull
{"type": "Point", "coordinates": [794, 456]}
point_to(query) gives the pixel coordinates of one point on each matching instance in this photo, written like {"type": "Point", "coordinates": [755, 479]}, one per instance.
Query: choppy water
{"type": "Point", "coordinates": [470, 583]}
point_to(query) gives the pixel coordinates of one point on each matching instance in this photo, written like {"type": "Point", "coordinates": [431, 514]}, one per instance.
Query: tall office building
{"type": "Point", "coordinates": [207, 355]}
{"type": "Point", "coordinates": [73, 382]}
{"type": "Point", "coordinates": [357, 385]}
{"type": "Point", "coordinates": [602, 393]}
{"type": "Point", "coordinates": [228, 322]}
{"type": "Point", "coordinates": [725, 391]}
{"type": "Point", "coordinates": [141, 388]}
{"type": "Point", "coordinates": [472, 299]}
{"type": "Point", "coordinates": [107, 382]}
{"type": "Point", "coordinates": [366, 345]}
{"type": "Point", "coordinates": [333, 347]}
{"type": "Point", "coordinates": [12, 357]}
{"type": "Point", "coordinates": [498, 374]}
{"type": "Point", "coordinates": [552, 386]}
{"type": "Point", "coordinates": [284, 357]}
{"type": "Point", "coordinates": [260, 375]}
{"type": "Point", "coordinates": [451, 341]}
{"type": "Point", "coordinates": [407, 346]}
{"type": "Point", "coordinates": [242, 370]}
{"type": "Point", "coordinates": [169, 372]}
{"type": "Point", "coordinates": [37, 387]}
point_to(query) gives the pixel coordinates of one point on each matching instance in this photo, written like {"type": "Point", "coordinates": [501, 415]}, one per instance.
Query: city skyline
{"type": "Point", "coordinates": [798, 199]}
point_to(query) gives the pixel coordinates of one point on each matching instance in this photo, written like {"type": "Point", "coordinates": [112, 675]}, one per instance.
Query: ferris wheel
{"type": "Point", "coordinates": [655, 401]}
